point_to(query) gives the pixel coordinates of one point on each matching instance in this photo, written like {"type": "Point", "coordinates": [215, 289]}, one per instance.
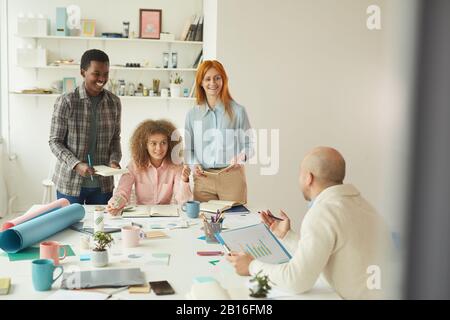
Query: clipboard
{"type": "Point", "coordinates": [256, 240]}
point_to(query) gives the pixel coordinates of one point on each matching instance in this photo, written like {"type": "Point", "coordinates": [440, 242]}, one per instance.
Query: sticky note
{"type": "Point", "coordinates": [155, 234]}
{"type": "Point", "coordinates": [85, 257]}
{"type": "Point", "coordinates": [5, 284]}
{"type": "Point", "coordinates": [139, 289]}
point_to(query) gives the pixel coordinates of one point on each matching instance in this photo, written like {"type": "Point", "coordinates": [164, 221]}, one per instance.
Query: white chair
{"type": "Point", "coordinates": [49, 193]}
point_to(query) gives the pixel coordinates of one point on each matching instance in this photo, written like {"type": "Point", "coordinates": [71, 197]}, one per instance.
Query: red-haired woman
{"type": "Point", "coordinates": [218, 138]}
{"type": "Point", "coordinates": [153, 171]}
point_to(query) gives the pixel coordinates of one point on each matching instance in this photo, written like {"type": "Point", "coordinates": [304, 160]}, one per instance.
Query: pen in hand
{"type": "Point", "coordinates": [272, 216]}
{"type": "Point", "coordinates": [90, 165]}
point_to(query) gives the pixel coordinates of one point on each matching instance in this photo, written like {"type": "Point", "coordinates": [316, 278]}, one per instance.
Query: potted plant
{"type": "Point", "coordinates": [99, 255]}
{"type": "Point", "coordinates": [175, 85]}
{"type": "Point", "coordinates": [260, 286]}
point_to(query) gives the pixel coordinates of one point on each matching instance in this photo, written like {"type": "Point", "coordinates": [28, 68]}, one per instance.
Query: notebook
{"type": "Point", "coordinates": [106, 171]}
{"type": "Point", "coordinates": [221, 205]}
{"type": "Point", "coordinates": [240, 209]}
{"type": "Point", "coordinates": [161, 210]}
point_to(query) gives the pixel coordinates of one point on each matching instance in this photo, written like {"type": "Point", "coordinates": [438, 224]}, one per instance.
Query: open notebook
{"type": "Point", "coordinates": [214, 205]}
{"type": "Point", "coordinates": [161, 210]}
{"type": "Point", "coordinates": [106, 171]}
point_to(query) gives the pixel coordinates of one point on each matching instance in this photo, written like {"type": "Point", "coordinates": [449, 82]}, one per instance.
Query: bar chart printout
{"type": "Point", "coordinates": [258, 241]}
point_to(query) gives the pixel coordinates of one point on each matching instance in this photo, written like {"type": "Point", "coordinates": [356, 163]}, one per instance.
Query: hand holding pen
{"type": "Point", "coordinates": [90, 164]}
{"type": "Point", "coordinates": [83, 169]}
{"type": "Point", "coordinates": [279, 226]}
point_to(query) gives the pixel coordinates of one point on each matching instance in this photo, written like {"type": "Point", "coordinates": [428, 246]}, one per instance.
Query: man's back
{"type": "Point", "coordinates": [361, 242]}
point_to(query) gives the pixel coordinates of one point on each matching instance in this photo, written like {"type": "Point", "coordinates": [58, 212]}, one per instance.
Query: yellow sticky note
{"type": "Point", "coordinates": [155, 234]}
{"type": "Point", "coordinates": [5, 284]}
{"type": "Point", "coordinates": [139, 289]}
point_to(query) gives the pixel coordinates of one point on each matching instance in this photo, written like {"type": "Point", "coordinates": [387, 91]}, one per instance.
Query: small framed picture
{"type": "Point", "coordinates": [87, 28]}
{"type": "Point", "coordinates": [69, 85]}
{"type": "Point", "coordinates": [150, 23]}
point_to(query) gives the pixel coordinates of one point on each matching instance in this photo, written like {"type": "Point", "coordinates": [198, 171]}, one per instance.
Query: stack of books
{"type": "Point", "coordinates": [193, 29]}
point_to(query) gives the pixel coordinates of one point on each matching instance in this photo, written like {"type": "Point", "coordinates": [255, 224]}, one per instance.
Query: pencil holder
{"type": "Point", "coordinates": [210, 228]}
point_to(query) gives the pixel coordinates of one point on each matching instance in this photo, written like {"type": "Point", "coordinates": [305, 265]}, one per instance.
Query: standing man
{"type": "Point", "coordinates": [85, 131]}
{"type": "Point", "coordinates": [341, 236]}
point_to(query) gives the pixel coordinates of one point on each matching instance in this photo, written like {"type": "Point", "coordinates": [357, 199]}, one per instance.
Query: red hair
{"type": "Point", "coordinates": [225, 95]}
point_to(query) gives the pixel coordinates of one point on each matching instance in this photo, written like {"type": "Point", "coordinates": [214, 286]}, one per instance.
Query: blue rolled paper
{"type": "Point", "coordinates": [40, 228]}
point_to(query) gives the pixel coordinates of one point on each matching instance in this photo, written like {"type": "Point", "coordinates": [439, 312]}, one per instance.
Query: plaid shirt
{"type": "Point", "coordinates": [69, 137]}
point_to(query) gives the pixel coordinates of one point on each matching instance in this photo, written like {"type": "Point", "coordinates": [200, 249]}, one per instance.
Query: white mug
{"type": "Point", "coordinates": [131, 236]}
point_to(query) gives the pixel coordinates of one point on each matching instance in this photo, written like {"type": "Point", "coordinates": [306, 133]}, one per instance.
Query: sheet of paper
{"type": "Point", "coordinates": [77, 295]}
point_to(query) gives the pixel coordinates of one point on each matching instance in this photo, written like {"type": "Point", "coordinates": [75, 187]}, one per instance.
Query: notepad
{"type": "Point", "coordinates": [162, 210]}
{"type": "Point", "coordinates": [214, 205]}
{"type": "Point", "coordinates": [5, 284]}
{"type": "Point", "coordinates": [106, 171]}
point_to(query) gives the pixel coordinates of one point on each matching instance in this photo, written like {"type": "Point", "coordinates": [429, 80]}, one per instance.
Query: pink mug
{"type": "Point", "coordinates": [50, 250]}
{"type": "Point", "coordinates": [131, 236]}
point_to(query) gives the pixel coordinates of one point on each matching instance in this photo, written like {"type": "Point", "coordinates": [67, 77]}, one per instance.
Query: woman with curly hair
{"type": "Point", "coordinates": [154, 172]}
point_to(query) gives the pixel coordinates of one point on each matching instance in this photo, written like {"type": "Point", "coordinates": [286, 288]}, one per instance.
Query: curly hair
{"type": "Point", "coordinates": [139, 140]}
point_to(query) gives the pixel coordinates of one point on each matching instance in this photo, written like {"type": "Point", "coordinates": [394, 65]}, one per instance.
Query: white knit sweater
{"type": "Point", "coordinates": [341, 236]}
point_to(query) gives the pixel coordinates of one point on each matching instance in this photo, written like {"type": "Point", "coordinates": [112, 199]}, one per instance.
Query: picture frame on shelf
{"type": "Point", "coordinates": [87, 28]}
{"type": "Point", "coordinates": [69, 84]}
{"type": "Point", "coordinates": [150, 23]}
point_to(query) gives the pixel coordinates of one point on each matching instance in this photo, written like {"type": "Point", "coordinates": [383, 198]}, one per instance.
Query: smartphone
{"type": "Point", "coordinates": [161, 287]}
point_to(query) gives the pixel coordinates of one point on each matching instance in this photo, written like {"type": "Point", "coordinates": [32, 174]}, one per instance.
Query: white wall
{"type": "Point", "coordinates": [30, 117]}
{"type": "Point", "coordinates": [314, 71]}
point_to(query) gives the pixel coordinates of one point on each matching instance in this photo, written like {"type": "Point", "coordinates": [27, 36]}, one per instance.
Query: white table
{"type": "Point", "coordinates": [184, 263]}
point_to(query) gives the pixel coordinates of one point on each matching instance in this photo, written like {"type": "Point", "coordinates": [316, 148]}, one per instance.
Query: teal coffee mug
{"type": "Point", "coordinates": [192, 209]}
{"type": "Point", "coordinates": [42, 274]}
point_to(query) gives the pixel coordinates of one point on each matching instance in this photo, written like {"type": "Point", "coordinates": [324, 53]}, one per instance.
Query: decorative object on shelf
{"type": "Point", "coordinates": [145, 92]}
{"type": "Point", "coordinates": [69, 84]}
{"type": "Point", "coordinates": [186, 92]}
{"type": "Point", "coordinates": [166, 36]}
{"type": "Point", "coordinates": [156, 83]}
{"type": "Point", "coordinates": [174, 60]}
{"type": "Point", "coordinates": [37, 91]}
{"type": "Point", "coordinates": [175, 85]}
{"type": "Point", "coordinates": [131, 89]}
{"type": "Point", "coordinates": [150, 23]}
{"type": "Point", "coordinates": [164, 93]}
{"type": "Point", "coordinates": [198, 59]}
{"type": "Point", "coordinates": [73, 20]}
{"type": "Point", "coordinates": [132, 65]}
{"type": "Point", "coordinates": [99, 255]}
{"type": "Point", "coordinates": [32, 26]}
{"type": "Point", "coordinates": [260, 287]}
{"type": "Point", "coordinates": [165, 60]}
{"type": "Point", "coordinates": [121, 87]}
{"type": "Point", "coordinates": [111, 35]}
{"type": "Point", "coordinates": [61, 22]}
{"type": "Point", "coordinates": [87, 28]}
{"type": "Point", "coordinates": [63, 62]}
{"type": "Point", "coordinates": [57, 86]}
{"type": "Point", "coordinates": [125, 29]}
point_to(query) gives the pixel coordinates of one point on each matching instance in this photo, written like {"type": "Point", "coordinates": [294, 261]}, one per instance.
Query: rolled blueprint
{"type": "Point", "coordinates": [60, 203]}
{"type": "Point", "coordinates": [40, 228]}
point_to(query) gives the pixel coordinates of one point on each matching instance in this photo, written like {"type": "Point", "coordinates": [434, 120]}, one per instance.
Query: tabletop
{"type": "Point", "coordinates": [183, 266]}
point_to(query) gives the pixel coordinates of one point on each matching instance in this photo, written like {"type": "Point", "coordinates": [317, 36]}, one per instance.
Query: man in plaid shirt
{"type": "Point", "coordinates": [85, 131]}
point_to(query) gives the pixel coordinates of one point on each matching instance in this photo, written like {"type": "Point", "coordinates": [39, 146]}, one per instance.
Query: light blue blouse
{"type": "Point", "coordinates": [212, 139]}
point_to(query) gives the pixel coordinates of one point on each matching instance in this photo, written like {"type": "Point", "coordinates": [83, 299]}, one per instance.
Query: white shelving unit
{"type": "Point", "coordinates": [54, 95]}
{"type": "Point", "coordinates": [114, 67]}
{"type": "Point", "coordinates": [111, 39]}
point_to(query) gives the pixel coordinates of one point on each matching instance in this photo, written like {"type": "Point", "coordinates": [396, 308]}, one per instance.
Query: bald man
{"type": "Point", "coordinates": [341, 236]}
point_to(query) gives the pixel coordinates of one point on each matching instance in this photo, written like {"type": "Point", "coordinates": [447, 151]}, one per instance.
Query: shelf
{"type": "Point", "coordinates": [77, 67]}
{"type": "Point", "coordinates": [121, 97]}
{"type": "Point", "coordinates": [111, 39]}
